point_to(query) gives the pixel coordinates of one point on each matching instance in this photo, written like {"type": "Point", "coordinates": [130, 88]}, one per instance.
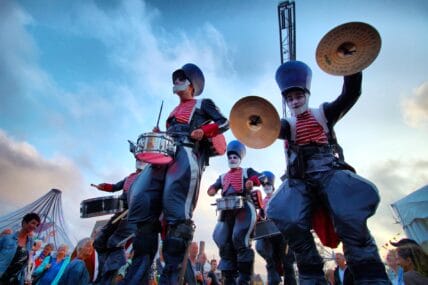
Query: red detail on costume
{"type": "Point", "coordinates": [183, 111]}
{"type": "Point", "coordinates": [233, 178]}
{"type": "Point", "coordinates": [255, 179]}
{"type": "Point", "coordinates": [308, 130]}
{"type": "Point", "coordinates": [210, 130]}
{"type": "Point", "coordinates": [129, 180]}
{"type": "Point", "coordinates": [106, 187]}
{"type": "Point", "coordinates": [323, 226]}
{"type": "Point", "coordinates": [256, 197]}
{"type": "Point", "coordinates": [164, 229]}
{"type": "Point", "coordinates": [265, 201]}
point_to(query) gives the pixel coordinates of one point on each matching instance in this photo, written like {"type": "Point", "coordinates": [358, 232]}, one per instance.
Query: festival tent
{"type": "Point", "coordinates": [52, 227]}
{"type": "Point", "coordinates": [412, 213]}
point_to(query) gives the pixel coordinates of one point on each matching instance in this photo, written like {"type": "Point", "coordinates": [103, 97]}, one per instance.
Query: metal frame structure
{"type": "Point", "coordinates": [287, 30]}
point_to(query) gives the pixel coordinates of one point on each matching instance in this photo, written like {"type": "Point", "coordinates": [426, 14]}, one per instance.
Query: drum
{"type": "Point", "coordinates": [265, 228]}
{"type": "Point", "coordinates": [230, 203]}
{"type": "Point", "coordinates": [101, 206]}
{"type": "Point", "coordinates": [155, 148]}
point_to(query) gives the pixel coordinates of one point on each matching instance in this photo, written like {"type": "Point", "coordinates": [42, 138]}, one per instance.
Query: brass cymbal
{"type": "Point", "coordinates": [348, 48]}
{"type": "Point", "coordinates": [255, 122]}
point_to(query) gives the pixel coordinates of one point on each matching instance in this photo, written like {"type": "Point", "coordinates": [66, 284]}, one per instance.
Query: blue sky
{"type": "Point", "coordinates": [80, 78]}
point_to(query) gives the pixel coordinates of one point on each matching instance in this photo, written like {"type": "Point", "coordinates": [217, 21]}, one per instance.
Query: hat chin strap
{"type": "Point", "coordinates": [234, 164]}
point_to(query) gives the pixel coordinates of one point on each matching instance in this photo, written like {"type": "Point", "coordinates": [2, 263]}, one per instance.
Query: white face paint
{"type": "Point", "coordinates": [268, 189]}
{"type": "Point", "coordinates": [180, 85]}
{"type": "Point", "coordinates": [234, 161]}
{"type": "Point", "coordinates": [297, 102]}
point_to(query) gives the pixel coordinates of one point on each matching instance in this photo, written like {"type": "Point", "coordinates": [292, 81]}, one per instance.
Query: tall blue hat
{"type": "Point", "coordinates": [294, 75]}
{"type": "Point", "coordinates": [236, 147]}
{"type": "Point", "coordinates": [269, 176]}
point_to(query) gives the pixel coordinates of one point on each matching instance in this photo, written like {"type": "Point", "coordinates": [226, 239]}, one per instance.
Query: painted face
{"type": "Point", "coordinates": [268, 189]}
{"type": "Point", "coordinates": [233, 160]}
{"type": "Point", "coordinates": [297, 101]}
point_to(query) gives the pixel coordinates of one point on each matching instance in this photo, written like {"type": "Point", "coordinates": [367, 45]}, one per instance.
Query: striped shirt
{"type": "Point", "coordinates": [183, 112]}
{"type": "Point", "coordinates": [308, 130]}
{"type": "Point", "coordinates": [233, 178]}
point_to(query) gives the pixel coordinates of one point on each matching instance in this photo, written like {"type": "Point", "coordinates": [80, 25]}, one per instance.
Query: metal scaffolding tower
{"type": "Point", "coordinates": [287, 30]}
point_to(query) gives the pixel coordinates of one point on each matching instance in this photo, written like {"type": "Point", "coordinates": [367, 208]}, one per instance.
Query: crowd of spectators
{"type": "Point", "coordinates": [27, 261]}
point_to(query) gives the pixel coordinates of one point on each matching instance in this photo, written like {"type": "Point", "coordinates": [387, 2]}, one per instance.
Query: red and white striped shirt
{"type": "Point", "coordinates": [183, 111]}
{"type": "Point", "coordinates": [233, 178]}
{"type": "Point", "coordinates": [308, 130]}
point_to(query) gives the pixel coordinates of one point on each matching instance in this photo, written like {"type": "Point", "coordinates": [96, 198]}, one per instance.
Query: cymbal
{"type": "Point", "coordinates": [255, 122]}
{"type": "Point", "coordinates": [348, 48]}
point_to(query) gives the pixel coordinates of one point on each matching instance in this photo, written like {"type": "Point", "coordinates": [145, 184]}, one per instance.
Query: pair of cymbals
{"type": "Point", "coordinates": [348, 48]}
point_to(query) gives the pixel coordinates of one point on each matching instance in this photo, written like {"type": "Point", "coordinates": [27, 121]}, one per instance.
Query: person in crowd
{"type": "Point", "coordinates": [235, 224]}
{"type": "Point", "coordinates": [394, 270]}
{"type": "Point", "coordinates": [109, 240]}
{"type": "Point", "coordinates": [52, 268]}
{"type": "Point", "coordinates": [173, 188]}
{"type": "Point", "coordinates": [342, 274]}
{"type": "Point", "coordinates": [15, 250]}
{"type": "Point", "coordinates": [212, 278]}
{"type": "Point", "coordinates": [414, 262]}
{"type": "Point", "coordinates": [321, 189]}
{"type": "Point", "coordinates": [46, 252]}
{"type": "Point", "coordinates": [76, 271]}
{"type": "Point", "coordinates": [274, 250]}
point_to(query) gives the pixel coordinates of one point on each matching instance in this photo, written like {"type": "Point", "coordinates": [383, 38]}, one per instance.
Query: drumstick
{"type": "Point", "coordinates": [160, 112]}
{"type": "Point", "coordinates": [120, 216]}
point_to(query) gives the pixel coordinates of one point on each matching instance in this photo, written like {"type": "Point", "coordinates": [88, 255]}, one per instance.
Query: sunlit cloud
{"type": "Point", "coordinates": [415, 107]}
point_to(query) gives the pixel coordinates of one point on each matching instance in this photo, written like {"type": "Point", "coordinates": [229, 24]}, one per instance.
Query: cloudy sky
{"type": "Point", "coordinates": [80, 78]}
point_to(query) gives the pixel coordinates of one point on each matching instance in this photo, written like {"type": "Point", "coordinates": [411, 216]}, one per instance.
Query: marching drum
{"type": "Point", "coordinates": [156, 148]}
{"type": "Point", "coordinates": [230, 203]}
{"type": "Point", "coordinates": [265, 228]}
{"type": "Point", "coordinates": [101, 206]}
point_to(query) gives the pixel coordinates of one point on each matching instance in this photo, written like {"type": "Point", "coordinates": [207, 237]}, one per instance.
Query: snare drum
{"type": "Point", "coordinates": [155, 148]}
{"type": "Point", "coordinates": [230, 203]}
{"type": "Point", "coordinates": [265, 228]}
{"type": "Point", "coordinates": [101, 206]}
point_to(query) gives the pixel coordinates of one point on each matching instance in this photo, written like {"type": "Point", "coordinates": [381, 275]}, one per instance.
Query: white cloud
{"type": "Point", "coordinates": [415, 107]}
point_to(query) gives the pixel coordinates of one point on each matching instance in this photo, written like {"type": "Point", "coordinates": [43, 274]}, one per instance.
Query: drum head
{"type": "Point", "coordinates": [154, 158]}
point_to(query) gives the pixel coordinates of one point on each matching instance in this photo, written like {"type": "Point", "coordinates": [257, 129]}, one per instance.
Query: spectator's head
{"type": "Point", "coordinates": [193, 250]}
{"type": "Point", "coordinates": [213, 264]}
{"type": "Point", "coordinates": [47, 249]}
{"type": "Point", "coordinates": [340, 260]}
{"type": "Point", "coordinates": [30, 222]}
{"type": "Point", "coordinates": [391, 258]}
{"type": "Point", "coordinates": [412, 258]}
{"type": "Point", "coordinates": [62, 250]}
{"type": "Point", "coordinates": [84, 248]}
{"type": "Point", "coordinates": [404, 241]}
{"type": "Point", "coordinates": [202, 258]}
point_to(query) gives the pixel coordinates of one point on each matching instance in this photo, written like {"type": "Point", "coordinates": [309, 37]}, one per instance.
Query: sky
{"type": "Point", "coordinates": [80, 78]}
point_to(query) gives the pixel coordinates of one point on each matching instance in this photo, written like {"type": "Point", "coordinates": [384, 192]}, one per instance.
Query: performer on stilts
{"type": "Point", "coordinates": [321, 184]}
{"type": "Point", "coordinates": [109, 241]}
{"type": "Point", "coordinates": [234, 226]}
{"type": "Point", "coordinates": [274, 250]}
{"type": "Point", "coordinates": [173, 188]}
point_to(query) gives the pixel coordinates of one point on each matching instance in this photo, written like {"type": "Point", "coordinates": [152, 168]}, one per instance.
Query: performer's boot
{"type": "Point", "coordinates": [369, 273]}
{"type": "Point", "coordinates": [245, 270]}
{"type": "Point", "coordinates": [175, 248]}
{"type": "Point", "coordinates": [145, 246]}
{"type": "Point", "coordinates": [229, 277]}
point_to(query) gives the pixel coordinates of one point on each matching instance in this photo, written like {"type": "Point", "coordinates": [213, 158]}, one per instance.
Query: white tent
{"type": "Point", "coordinates": [412, 212]}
